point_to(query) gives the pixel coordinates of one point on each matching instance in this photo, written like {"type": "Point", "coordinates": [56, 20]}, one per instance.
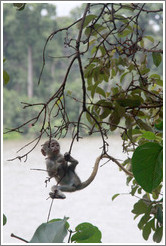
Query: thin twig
{"type": "Point", "coordinates": [12, 235]}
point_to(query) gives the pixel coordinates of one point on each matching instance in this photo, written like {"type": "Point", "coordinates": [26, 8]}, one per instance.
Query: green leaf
{"type": "Point", "coordinates": [148, 135]}
{"type": "Point", "coordinates": [143, 125]}
{"type": "Point", "coordinates": [89, 118]}
{"type": "Point", "coordinates": [105, 113]}
{"type": "Point", "coordinates": [127, 102]}
{"type": "Point", "coordinates": [160, 215]}
{"type": "Point", "coordinates": [155, 76]}
{"type": "Point", "coordinates": [69, 92]}
{"type": "Point", "coordinates": [158, 235]}
{"type": "Point", "coordinates": [19, 6]}
{"type": "Point", "coordinates": [159, 126]}
{"type": "Point", "coordinates": [156, 58]}
{"type": "Point", "coordinates": [144, 70]}
{"type": "Point", "coordinates": [147, 230]}
{"type": "Point", "coordinates": [53, 232]}
{"type": "Point", "coordinates": [128, 7]}
{"type": "Point", "coordinates": [86, 233]}
{"type": "Point", "coordinates": [113, 73]}
{"type": "Point", "coordinates": [88, 19]}
{"type": "Point", "coordinates": [124, 33]}
{"type": "Point", "coordinates": [4, 219]}
{"type": "Point", "coordinates": [149, 38]}
{"type": "Point", "coordinates": [6, 77]}
{"type": "Point", "coordinates": [114, 120]}
{"type": "Point", "coordinates": [139, 208]}
{"type": "Point", "coordinates": [100, 91]}
{"type": "Point", "coordinates": [67, 224]}
{"type": "Point", "coordinates": [144, 218]}
{"type": "Point", "coordinates": [114, 196]}
{"type": "Point", "coordinates": [123, 76]}
{"type": "Point", "coordinates": [147, 166]}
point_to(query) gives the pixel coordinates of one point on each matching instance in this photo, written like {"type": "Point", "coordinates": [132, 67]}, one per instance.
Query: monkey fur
{"type": "Point", "coordinates": [65, 175]}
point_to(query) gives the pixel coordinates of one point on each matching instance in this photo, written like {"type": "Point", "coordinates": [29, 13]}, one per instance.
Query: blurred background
{"type": "Point", "coordinates": [24, 192]}
{"type": "Point", "coordinates": [25, 33]}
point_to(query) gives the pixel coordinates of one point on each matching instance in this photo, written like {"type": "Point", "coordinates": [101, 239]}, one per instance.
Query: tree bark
{"type": "Point", "coordinates": [30, 73]}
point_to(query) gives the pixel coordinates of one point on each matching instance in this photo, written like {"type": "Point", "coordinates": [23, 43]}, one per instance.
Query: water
{"type": "Point", "coordinates": [26, 207]}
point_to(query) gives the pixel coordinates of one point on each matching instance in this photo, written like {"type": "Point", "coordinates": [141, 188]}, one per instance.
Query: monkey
{"type": "Point", "coordinates": [65, 175]}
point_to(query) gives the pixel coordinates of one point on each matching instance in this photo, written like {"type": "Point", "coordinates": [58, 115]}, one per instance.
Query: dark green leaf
{"type": "Point", "coordinates": [86, 233]}
{"type": "Point", "coordinates": [144, 71]}
{"type": "Point", "coordinates": [89, 118]}
{"type": "Point", "coordinates": [160, 215]}
{"type": "Point", "coordinates": [53, 232]}
{"type": "Point", "coordinates": [127, 102]}
{"type": "Point", "coordinates": [139, 208]}
{"type": "Point", "coordinates": [114, 120]}
{"type": "Point", "coordinates": [4, 219]}
{"type": "Point", "coordinates": [147, 230]}
{"type": "Point", "coordinates": [128, 7]}
{"type": "Point", "coordinates": [159, 126]}
{"type": "Point", "coordinates": [143, 125]}
{"type": "Point", "coordinates": [144, 218]}
{"type": "Point", "coordinates": [158, 235]}
{"type": "Point", "coordinates": [133, 190]}
{"type": "Point", "coordinates": [19, 6]}
{"type": "Point", "coordinates": [147, 165]}
{"type": "Point", "coordinates": [114, 196]}
{"type": "Point", "coordinates": [128, 122]}
{"type": "Point", "coordinates": [105, 113]}
{"type": "Point", "coordinates": [5, 77]}
{"type": "Point", "coordinates": [100, 91]}
{"type": "Point", "coordinates": [156, 58]}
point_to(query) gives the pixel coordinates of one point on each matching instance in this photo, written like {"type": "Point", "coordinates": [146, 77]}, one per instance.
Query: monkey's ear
{"type": "Point", "coordinates": [43, 152]}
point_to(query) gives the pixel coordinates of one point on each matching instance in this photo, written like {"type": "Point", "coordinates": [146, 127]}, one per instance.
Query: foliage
{"type": "Point", "coordinates": [152, 219]}
{"type": "Point", "coordinates": [147, 165]}
{"type": "Point", "coordinates": [56, 230]}
{"type": "Point", "coordinates": [53, 232]}
{"type": "Point", "coordinates": [4, 219]}
{"type": "Point", "coordinates": [120, 69]}
{"type": "Point", "coordinates": [6, 77]}
{"type": "Point", "coordinates": [86, 233]}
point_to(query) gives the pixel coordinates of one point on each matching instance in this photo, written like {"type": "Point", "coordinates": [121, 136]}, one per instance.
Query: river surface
{"type": "Point", "coordinates": [25, 194]}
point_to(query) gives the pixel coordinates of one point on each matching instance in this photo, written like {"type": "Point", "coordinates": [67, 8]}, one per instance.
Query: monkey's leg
{"type": "Point", "coordinates": [65, 188]}
{"type": "Point", "coordinates": [56, 193]}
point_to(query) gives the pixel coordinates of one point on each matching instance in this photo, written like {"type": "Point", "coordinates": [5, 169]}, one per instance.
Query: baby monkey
{"type": "Point", "coordinates": [65, 175]}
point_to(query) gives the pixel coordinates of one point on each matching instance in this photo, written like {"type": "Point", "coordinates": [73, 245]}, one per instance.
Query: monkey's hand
{"type": "Point", "coordinates": [67, 156]}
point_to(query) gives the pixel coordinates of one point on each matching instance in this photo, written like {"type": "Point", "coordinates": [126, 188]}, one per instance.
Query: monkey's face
{"type": "Point", "coordinates": [50, 148]}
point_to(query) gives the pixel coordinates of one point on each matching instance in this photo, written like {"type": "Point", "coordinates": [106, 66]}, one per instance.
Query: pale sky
{"type": "Point", "coordinates": [64, 7]}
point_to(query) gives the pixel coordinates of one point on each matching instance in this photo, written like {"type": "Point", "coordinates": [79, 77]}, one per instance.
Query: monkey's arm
{"type": "Point", "coordinates": [70, 159]}
{"type": "Point", "coordinates": [56, 167]}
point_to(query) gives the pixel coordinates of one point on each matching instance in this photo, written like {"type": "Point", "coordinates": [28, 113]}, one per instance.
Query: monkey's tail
{"type": "Point", "coordinates": [92, 176]}
{"type": "Point", "coordinates": [95, 169]}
